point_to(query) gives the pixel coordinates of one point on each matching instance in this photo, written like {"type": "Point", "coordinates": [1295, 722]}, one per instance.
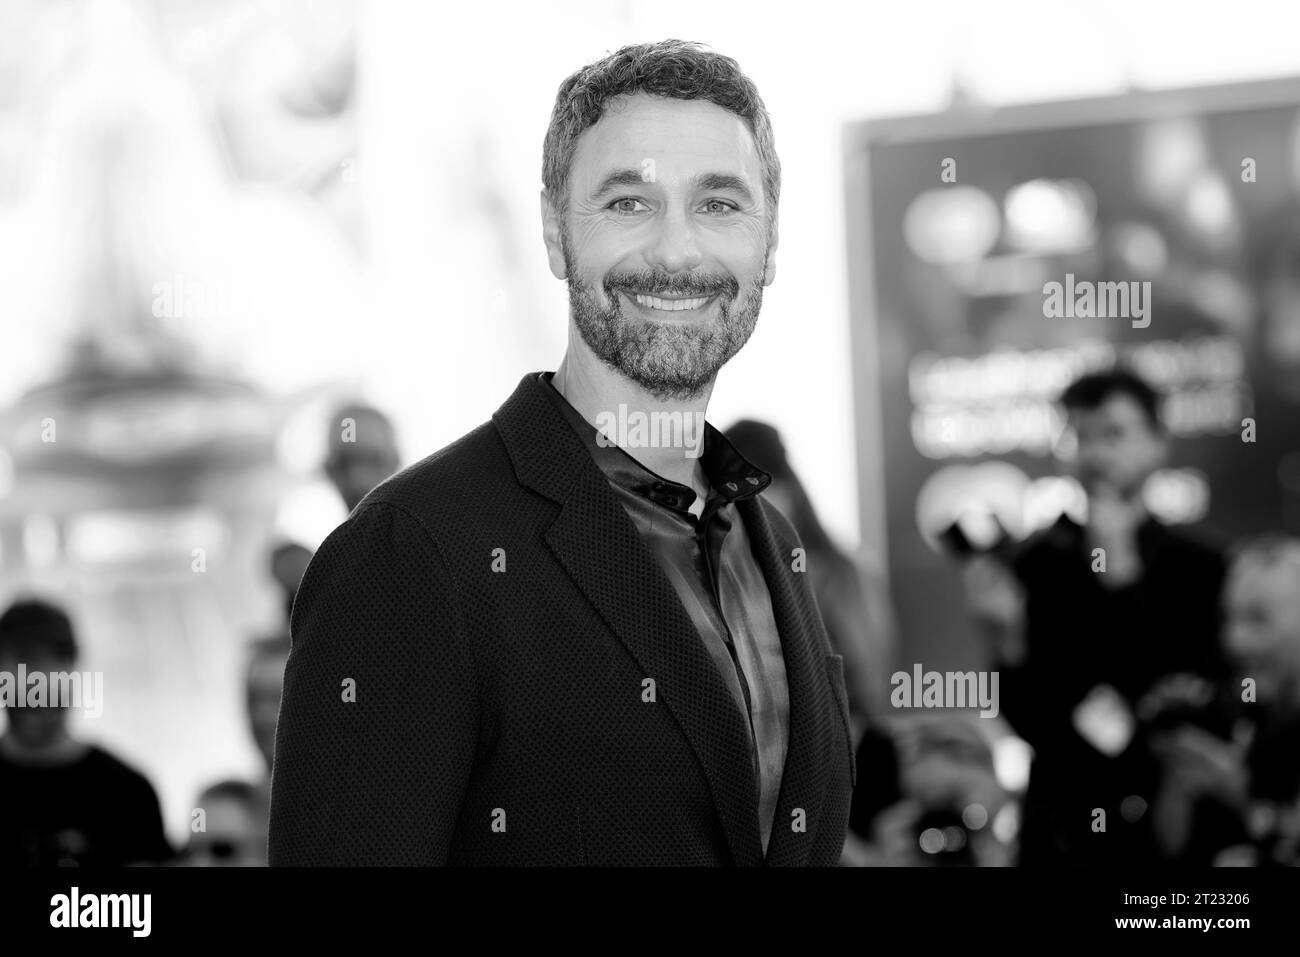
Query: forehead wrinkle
{"type": "Point", "coordinates": [698, 129]}
{"type": "Point", "coordinates": [700, 182]}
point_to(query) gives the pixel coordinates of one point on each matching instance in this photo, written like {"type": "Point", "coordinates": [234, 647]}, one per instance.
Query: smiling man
{"type": "Point", "coordinates": [554, 642]}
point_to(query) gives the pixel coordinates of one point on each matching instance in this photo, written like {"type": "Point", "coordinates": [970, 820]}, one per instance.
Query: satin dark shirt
{"type": "Point", "coordinates": [714, 572]}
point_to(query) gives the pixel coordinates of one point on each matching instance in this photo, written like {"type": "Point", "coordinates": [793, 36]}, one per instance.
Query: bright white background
{"type": "Point", "coordinates": [433, 76]}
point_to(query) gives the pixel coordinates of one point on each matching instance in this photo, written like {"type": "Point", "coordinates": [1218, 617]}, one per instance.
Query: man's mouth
{"type": "Point", "coordinates": [666, 303]}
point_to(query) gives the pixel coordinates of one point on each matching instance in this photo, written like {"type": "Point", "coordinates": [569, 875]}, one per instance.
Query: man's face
{"type": "Point", "coordinates": [1117, 445]}
{"type": "Point", "coordinates": [1262, 604]}
{"type": "Point", "coordinates": [665, 242]}
{"type": "Point", "coordinates": [36, 728]}
{"type": "Point", "coordinates": [288, 566]}
{"type": "Point", "coordinates": [233, 836]}
{"type": "Point", "coordinates": [355, 467]}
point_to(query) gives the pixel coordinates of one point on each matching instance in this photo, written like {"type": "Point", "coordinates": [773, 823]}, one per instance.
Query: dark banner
{"type": "Point", "coordinates": [1010, 251]}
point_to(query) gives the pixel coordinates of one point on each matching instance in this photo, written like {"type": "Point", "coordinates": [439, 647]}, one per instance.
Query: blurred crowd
{"type": "Point", "coordinates": [69, 802]}
{"type": "Point", "coordinates": [1154, 674]}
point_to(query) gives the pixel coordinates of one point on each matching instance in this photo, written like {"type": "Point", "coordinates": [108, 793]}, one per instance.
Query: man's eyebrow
{"type": "Point", "coordinates": [622, 177]}
{"type": "Point", "coordinates": [725, 181]}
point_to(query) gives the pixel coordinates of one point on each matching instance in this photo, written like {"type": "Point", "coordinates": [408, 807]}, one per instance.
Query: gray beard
{"type": "Point", "coordinates": [670, 361]}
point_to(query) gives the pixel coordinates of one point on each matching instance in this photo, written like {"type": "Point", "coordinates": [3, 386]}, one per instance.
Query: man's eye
{"type": "Point", "coordinates": [627, 205]}
{"type": "Point", "coordinates": [718, 207]}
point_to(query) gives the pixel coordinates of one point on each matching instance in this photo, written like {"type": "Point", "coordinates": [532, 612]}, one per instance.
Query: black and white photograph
{"type": "Point", "coordinates": [464, 449]}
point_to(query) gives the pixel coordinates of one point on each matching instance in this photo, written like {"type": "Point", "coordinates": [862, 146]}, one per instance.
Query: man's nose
{"type": "Point", "coordinates": [675, 247]}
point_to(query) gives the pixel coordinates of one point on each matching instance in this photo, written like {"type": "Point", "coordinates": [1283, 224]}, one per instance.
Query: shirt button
{"type": "Point", "coordinates": [752, 479]}
{"type": "Point", "coordinates": [733, 487]}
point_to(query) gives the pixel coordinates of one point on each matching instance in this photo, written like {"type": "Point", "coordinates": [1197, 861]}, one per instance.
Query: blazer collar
{"type": "Point", "coordinates": [544, 451]}
{"type": "Point", "coordinates": [809, 754]}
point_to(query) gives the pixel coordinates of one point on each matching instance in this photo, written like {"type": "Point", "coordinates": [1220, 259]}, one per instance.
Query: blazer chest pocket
{"type": "Point", "coordinates": [835, 675]}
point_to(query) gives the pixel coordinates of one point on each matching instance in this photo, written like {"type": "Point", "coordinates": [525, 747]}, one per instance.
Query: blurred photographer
{"type": "Point", "coordinates": [949, 799]}
{"type": "Point", "coordinates": [1084, 619]}
{"type": "Point", "coordinates": [1234, 799]}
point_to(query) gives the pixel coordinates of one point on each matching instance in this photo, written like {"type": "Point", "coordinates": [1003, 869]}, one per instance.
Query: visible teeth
{"type": "Point", "coordinates": [669, 305]}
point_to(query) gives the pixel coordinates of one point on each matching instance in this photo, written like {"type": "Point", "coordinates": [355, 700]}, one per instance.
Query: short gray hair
{"type": "Point", "coordinates": [670, 68]}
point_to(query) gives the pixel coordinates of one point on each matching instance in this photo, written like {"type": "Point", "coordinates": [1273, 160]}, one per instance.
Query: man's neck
{"type": "Point", "coordinates": [598, 392]}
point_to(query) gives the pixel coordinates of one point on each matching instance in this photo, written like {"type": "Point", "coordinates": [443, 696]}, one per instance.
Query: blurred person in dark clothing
{"type": "Point", "coordinates": [233, 832]}
{"type": "Point", "coordinates": [947, 801]}
{"type": "Point", "coordinates": [362, 451]}
{"type": "Point", "coordinates": [263, 687]}
{"type": "Point", "coordinates": [289, 562]}
{"type": "Point", "coordinates": [854, 605]}
{"type": "Point", "coordinates": [64, 802]}
{"type": "Point", "coordinates": [1085, 620]}
{"type": "Point", "coordinates": [1235, 798]}
{"type": "Point", "coordinates": [856, 611]}
{"type": "Point", "coordinates": [266, 657]}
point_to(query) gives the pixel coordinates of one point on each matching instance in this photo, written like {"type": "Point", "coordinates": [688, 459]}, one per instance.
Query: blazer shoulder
{"type": "Point", "coordinates": [461, 479]}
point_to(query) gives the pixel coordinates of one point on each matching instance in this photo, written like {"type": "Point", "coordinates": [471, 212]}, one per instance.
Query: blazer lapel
{"type": "Point", "coordinates": [600, 548]}
{"type": "Point", "coordinates": [809, 754]}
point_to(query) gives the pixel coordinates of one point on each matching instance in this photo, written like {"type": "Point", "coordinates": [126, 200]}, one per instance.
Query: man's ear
{"type": "Point", "coordinates": [551, 236]}
{"type": "Point", "coordinates": [769, 265]}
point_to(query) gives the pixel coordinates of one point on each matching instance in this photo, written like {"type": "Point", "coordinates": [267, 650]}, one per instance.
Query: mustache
{"type": "Point", "coordinates": [657, 283]}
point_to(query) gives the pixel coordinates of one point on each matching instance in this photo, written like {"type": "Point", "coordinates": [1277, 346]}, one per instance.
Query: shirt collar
{"type": "Point", "coordinates": [731, 476]}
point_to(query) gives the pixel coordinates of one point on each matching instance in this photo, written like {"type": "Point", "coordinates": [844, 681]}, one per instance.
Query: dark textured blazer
{"type": "Point", "coordinates": [449, 703]}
